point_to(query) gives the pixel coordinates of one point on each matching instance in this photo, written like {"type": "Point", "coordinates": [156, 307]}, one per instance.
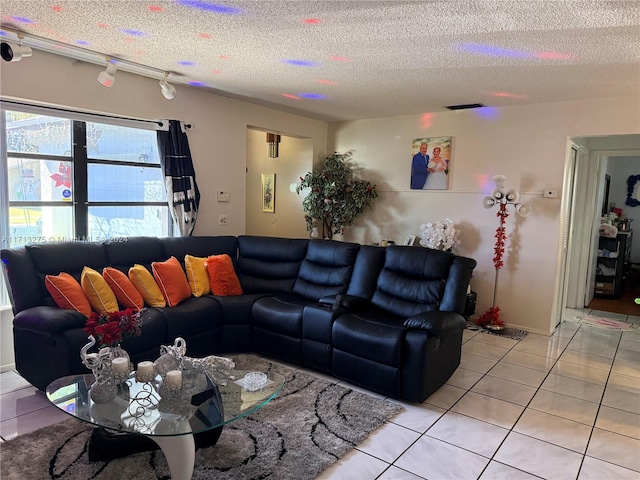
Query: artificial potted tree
{"type": "Point", "coordinates": [336, 197]}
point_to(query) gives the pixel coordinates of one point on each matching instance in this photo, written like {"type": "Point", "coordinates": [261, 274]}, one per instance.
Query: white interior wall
{"type": "Point", "coordinates": [295, 159]}
{"type": "Point", "coordinates": [525, 143]}
{"type": "Point", "coordinates": [7, 361]}
{"type": "Point", "coordinates": [528, 145]}
{"type": "Point", "coordinates": [217, 140]}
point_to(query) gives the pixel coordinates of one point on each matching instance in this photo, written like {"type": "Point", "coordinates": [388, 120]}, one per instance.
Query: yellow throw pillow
{"type": "Point", "coordinates": [197, 275]}
{"type": "Point", "coordinates": [147, 286]}
{"type": "Point", "coordinates": [67, 293]}
{"type": "Point", "coordinates": [172, 281]}
{"type": "Point", "coordinates": [98, 292]}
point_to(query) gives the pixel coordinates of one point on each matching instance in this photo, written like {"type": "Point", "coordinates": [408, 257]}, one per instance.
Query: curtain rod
{"type": "Point", "coordinates": [159, 123]}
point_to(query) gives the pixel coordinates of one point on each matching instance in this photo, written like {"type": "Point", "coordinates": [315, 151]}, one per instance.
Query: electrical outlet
{"type": "Point", "coordinates": [222, 219]}
{"type": "Point", "coordinates": [550, 193]}
{"type": "Point", "coordinates": [223, 196]}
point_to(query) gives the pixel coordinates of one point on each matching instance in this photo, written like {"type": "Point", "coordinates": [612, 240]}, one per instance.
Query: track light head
{"type": "Point", "coordinates": [12, 52]}
{"type": "Point", "coordinates": [168, 90]}
{"type": "Point", "coordinates": [107, 77]}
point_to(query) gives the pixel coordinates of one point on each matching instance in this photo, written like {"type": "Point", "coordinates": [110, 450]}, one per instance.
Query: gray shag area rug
{"type": "Point", "coordinates": [306, 428]}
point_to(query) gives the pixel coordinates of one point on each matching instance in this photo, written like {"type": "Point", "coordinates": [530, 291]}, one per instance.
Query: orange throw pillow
{"type": "Point", "coordinates": [222, 276]}
{"type": "Point", "coordinates": [147, 286]}
{"type": "Point", "coordinates": [171, 280]}
{"type": "Point", "coordinates": [126, 293]}
{"type": "Point", "coordinates": [67, 293]}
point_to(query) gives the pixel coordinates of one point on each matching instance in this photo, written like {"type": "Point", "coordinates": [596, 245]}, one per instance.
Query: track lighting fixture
{"type": "Point", "coordinates": [12, 52]}
{"type": "Point", "coordinates": [107, 77]}
{"type": "Point", "coordinates": [168, 90]}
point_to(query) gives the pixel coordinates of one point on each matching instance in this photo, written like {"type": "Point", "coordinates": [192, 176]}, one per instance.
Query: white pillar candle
{"type": "Point", "coordinates": [120, 366]}
{"type": "Point", "coordinates": [174, 380]}
{"type": "Point", "coordinates": [145, 371]}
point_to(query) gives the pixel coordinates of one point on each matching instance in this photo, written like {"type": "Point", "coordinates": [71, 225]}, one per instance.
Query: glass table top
{"type": "Point", "coordinates": [150, 409]}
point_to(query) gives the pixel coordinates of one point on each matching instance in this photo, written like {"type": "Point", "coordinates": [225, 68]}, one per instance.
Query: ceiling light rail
{"type": "Point", "coordinates": [13, 52]}
{"type": "Point", "coordinates": [160, 124]}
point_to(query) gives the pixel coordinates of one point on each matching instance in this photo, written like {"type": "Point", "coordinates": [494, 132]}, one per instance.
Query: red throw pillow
{"type": "Point", "coordinates": [222, 276]}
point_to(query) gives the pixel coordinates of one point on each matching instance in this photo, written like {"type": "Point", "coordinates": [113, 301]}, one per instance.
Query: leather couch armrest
{"type": "Point", "coordinates": [347, 302]}
{"type": "Point", "coordinates": [51, 320]}
{"type": "Point", "coordinates": [436, 322]}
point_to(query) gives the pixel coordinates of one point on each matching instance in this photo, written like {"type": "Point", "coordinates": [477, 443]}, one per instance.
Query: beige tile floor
{"type": "Point", "coordinates": [559, 407]}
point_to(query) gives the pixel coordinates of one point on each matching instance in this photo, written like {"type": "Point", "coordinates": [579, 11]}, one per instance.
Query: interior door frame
{"type": "Point", "coordinates": [567, 240]}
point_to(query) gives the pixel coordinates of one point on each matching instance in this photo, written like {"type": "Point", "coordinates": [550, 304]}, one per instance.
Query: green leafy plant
{"type": "Point", "coordinates": [335, 196]}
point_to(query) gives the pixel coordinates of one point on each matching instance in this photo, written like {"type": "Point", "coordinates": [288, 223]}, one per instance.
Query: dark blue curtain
{"type": "Point", "coordinates": [180, 177]}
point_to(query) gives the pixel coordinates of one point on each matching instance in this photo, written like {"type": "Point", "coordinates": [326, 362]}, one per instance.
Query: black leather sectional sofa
{"type": "Point", "coordinates": [395, 329]}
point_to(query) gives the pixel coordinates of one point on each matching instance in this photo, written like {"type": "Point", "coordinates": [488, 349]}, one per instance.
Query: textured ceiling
{"type": "Point", "coordinates": [342, 60]}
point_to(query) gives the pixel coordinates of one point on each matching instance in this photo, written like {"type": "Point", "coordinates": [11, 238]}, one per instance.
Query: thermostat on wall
{"type": "Point", "coordinates": [223, 196]}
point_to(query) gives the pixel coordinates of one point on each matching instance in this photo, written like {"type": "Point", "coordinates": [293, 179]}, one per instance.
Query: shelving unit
{"type": "Point", "coordinates": [614, 261]}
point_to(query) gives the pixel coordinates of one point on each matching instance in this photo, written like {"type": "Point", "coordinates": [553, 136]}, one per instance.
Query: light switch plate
{"type": "Point", "coordinates": [223, 196]}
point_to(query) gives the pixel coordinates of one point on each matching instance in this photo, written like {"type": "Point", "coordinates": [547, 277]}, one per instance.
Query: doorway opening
{"type": "Point", "coordinates": [589, 161]}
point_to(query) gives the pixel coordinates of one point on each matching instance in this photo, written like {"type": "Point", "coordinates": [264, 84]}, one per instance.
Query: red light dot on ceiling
{"type": "Point", "coordinates": [312, 21]}
{"type": "Point", "coordinates": [216, 72]}
{"type": "Point", "coordinates": [204, 35]}
{"type": "Point", "coordinates": [338, 58]}
{"type": "Point", "coordinates": [224, 57]}
{"type": "Point", "coordinates": [56, 8]}
{"type": "Point", "coordinates": [155, 8]}
{"type": "Point", "coordinates": [507, 94]}
{"type": "Point", "coordinates": [288, 95]}
{"type": "Point", "coordinates": [139, 52]}
{"type": "Point", "coordinates": [327, 82]}
{"type": "Point", "coordinates": [102, 25]}
{"type": "Point", "coordinates": [555, 55]}
{"type": "Point", "coordinates": [426, 120]}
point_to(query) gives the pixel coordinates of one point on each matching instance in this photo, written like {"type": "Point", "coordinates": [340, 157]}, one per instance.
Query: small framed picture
{"type": "Point", "coordinates": [410, 240]}
{"type": "Point", "coordinates": [269, 192]}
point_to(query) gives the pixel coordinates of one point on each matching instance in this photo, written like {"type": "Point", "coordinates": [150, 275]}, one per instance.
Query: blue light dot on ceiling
{"type": "Point", "coordinates": [210, 7]}
{"type": "Point", "coordinates": [3, 33]}
{"type": "Point", "coordinates": [300, 63]}
{"type": "Point", "coordinates": [133, 33]}
{"type": "Point", "coordinates": [22, 19]}
{"type": "Point", "coordinates": [197, 84]}
{"type": "Point", "coordinates": [487, 112]}
{"type": "Point", "coordinates": [313, 96]}
{"type": "Point", "coordinates": [82, 42]}
{"type": "Point", "coordinates": [492, 51]}
{"type": "Point", "coordinates": [186, 63]}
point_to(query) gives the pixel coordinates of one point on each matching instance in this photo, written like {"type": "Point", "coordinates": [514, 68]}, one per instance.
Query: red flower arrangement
{"type": "Point", "coordinates": [501, 237]}
{"type": "Point", "coordinates": [492, 315]}
{"type": "Point", "coordinates": [109, 329]}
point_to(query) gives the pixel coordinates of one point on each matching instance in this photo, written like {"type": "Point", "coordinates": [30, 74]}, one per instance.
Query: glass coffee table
{"type": "Point", "coordinates": [145, 414]}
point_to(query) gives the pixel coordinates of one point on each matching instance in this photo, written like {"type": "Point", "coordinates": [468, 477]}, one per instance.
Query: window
{"type": "Point", "coordinates": [77, 180]}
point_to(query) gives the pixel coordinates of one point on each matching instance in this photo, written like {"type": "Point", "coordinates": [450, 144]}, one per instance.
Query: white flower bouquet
{"type": "Point", "coordinates": [439, 235]}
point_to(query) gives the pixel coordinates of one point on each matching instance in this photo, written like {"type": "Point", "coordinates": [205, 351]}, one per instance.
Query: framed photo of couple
{"type": "Point", "coordinates": [430, 163]}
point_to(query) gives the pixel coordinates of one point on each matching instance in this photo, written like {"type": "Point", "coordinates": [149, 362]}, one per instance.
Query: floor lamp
{"type": "Point", "coordinates": [491, 318]}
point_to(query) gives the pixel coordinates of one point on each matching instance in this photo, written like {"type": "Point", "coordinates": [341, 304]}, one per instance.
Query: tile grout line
{"type": "Point", "coordinates": [492, 459]}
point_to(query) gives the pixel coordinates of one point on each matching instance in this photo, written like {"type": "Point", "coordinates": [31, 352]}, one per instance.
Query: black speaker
{"type": "Point", "coordinates": [470, 305]}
